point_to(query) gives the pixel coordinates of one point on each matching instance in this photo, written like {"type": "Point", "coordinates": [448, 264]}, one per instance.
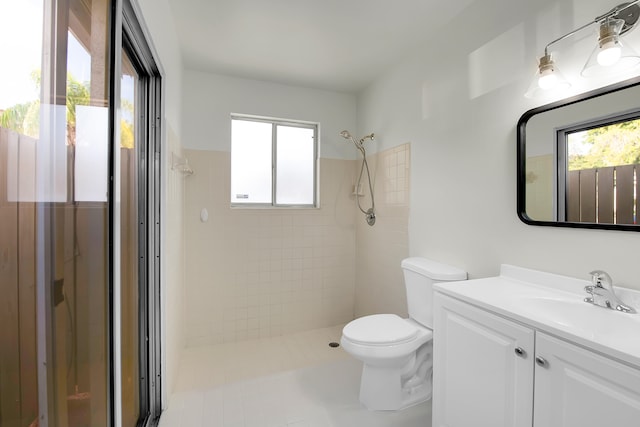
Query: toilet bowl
{"type": "Point", "coordinates": [397, 352]}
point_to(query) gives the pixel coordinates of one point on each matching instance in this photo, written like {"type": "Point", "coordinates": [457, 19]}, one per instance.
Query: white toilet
{"type": "Point", "coordinates": [397, 352]}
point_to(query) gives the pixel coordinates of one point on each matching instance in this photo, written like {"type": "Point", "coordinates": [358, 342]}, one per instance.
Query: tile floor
{"type": "Point", "coordinates": [294, 380]}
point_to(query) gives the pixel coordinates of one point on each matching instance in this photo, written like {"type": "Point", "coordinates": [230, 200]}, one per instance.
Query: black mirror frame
{"type": "Point", "coordinates": [521, 157]}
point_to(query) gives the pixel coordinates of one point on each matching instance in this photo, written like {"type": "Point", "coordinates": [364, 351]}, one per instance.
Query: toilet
{"type": "Point", "coordinates": [397, 353]}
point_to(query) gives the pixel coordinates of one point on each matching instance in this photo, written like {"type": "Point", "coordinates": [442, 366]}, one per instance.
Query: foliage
{"type": "Point", "coordinates": [126, 126]}
{"type": "Point", "coordinates": [25, 118]}
{"type": "Point", "coordinates": [14, 118]}
{"type": "Point", "coordinates": [77, 94]}
{"type": "Point", "coordinates": [612, 145]}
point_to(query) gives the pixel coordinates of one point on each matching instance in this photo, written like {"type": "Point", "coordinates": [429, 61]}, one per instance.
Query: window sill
{"type": "Point", "coordinates": [271, 207]}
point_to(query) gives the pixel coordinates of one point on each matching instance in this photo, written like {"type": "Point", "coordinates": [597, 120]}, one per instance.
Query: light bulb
{"type": "Point", "coordinates": [609, 54]}
{"type": "Point", "coordinates": [547, 80]}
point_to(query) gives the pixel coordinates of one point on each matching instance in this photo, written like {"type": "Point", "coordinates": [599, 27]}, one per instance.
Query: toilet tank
{"type": "Point", "coordinates": [419, 276]}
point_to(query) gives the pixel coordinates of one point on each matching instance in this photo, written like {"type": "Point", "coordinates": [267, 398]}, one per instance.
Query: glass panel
{"type": "Point", "coordinates": [129, 244]}
{"type": "Point", "coordinates": [295, 156]}
{"type": "Point", "coordinates": [19, 130]}
{"type": "Point", "coordinates": [81, 319]}
{"type": "Point", "coordinates": [53, 213]}
{"type": "Point", "coordinates": [251, 162]}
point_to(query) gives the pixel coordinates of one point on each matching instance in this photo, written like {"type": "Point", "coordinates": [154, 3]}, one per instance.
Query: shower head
{"type": "Point", "coordinates": [370, 136]}
{"type": "Point", "coordinates": [345, 134]}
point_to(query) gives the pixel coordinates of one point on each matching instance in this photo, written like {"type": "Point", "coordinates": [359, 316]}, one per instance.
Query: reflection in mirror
{"type": "Point", "coordinates": [579, 160]}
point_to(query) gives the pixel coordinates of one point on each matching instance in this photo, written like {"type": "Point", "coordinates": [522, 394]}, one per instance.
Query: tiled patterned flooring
{"type": "Point", "coordinates": [295, 380]}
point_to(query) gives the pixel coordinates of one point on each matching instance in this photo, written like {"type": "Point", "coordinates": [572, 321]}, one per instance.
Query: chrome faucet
{"type": "Point", "coordinates": [602, 293]}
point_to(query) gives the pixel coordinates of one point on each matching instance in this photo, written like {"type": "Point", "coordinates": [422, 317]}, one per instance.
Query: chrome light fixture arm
{"type": "Point", "coordinates": [571, 33]}
{"type": "Point", "coordinates": [629, 24]}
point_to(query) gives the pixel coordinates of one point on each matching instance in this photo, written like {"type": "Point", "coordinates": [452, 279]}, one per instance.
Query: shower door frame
{"type": "Point", "coordinates": [135, 43]}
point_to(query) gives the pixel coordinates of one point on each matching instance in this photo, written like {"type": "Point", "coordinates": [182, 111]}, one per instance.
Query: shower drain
{"type": "Point", "coordinates": [334, 344]}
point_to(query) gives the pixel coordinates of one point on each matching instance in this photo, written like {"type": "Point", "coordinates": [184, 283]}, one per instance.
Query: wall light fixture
{"type": "Point", "coordinates": [610, 56]}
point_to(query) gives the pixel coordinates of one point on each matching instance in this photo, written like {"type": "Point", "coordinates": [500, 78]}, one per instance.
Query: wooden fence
{"type": "Point", "coordinates": [603, 195]}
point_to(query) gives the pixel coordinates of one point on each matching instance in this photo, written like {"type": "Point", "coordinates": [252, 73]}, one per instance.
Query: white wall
{"type": "Point", "coordinates": [457, 102]}
{"type": "Point", "coordinates": [156, 15]}
{"type": "Point", "coordinates": [210, 99]}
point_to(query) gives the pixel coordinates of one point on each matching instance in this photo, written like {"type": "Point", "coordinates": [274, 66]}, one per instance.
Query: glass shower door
{"type": "Point", "coordinates": [54, 213]}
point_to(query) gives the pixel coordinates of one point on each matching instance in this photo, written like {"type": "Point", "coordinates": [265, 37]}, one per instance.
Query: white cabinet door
{"type": "Point", "coordinates": [479, 379]}
{"type": "Point", "coordinates": [578, 388]}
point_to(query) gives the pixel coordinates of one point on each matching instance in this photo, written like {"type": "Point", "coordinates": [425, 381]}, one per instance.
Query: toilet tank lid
{"type": "Point", "coordinates": [433, 269]}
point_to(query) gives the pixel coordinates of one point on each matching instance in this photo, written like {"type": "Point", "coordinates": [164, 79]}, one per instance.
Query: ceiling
{"type": "Point", "coordinates": [339, 45]}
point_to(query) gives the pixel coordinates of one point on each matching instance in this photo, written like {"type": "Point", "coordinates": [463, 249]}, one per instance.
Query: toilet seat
{"type": "Point", "coordinates": [380, 330]}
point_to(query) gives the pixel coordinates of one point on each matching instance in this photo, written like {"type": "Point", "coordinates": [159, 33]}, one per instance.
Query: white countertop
{"type": "Point", "coordinates": [554, 304]}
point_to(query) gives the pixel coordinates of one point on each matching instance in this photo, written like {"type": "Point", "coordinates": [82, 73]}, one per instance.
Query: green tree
{"type": "Point", "coordinates": [14, 118]}
{"type": "Point", "coordinates": [25, 118]}
{"type": "Point", "coordinates": [77, 94]}
{"type": "Point", "coordinates": [612, 145]}
{"type": "Point", "coordinates": [126, 127]}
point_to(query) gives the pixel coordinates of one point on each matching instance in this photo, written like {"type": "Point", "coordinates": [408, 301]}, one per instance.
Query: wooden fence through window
{"type": "Point", "coordinates": [604, 195]}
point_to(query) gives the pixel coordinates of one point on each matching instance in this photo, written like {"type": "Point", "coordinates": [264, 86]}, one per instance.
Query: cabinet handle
{"type": "Point", "coordinates": [520, 352]}
{"type": "Point", "coordinates": [541, 361]}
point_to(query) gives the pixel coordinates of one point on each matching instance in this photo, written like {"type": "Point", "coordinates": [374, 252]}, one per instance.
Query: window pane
{"type": "Point", "coordinates": [21, 46]}
{"type": "Point", "coordinates": [250, 162]}
{"type": "Point", "coordinates": [295, 165]}
{"type": "Point", "coordinates": [53, 129]}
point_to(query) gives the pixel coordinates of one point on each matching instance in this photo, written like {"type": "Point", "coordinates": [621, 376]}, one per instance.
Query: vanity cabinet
{"type": "Point", "coordinates": [478, 379]}
{"type": "Point", "coordinates": [489, 371]}
{"type": "Point", "coordinates": [577, 387]}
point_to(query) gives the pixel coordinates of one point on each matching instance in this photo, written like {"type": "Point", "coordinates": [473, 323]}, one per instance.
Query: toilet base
{"type": "Point", "coordinates": [394, 389]}
{"type": "Point", "coordinates": [382, 391]}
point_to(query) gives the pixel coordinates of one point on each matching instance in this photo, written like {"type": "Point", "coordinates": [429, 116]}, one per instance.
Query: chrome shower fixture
{"type": "Point", "coordinates": [370, 136]}
{"type": "Point", "coordinates": [370, 214]}
{"type": "Point", "coordinates": [347, 135]}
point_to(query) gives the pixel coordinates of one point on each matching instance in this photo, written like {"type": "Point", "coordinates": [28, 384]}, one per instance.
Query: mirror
{"type": "Point", "coordinates": [579, 160]}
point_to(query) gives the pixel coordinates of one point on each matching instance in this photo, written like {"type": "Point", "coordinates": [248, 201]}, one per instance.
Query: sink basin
{"type": "Point", "coordinates": [576, 314]}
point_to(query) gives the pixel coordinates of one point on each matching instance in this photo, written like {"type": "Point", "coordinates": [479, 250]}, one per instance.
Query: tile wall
{"type": "Point", "coordinates": [173, 258]}
{"type": "Point", "coordinates": [381, 248]}
{"type": "Point", "coordinates": [253, 273]}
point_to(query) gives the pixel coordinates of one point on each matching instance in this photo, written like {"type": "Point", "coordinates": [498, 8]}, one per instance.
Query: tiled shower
{"type": "Point", "coordinates": [256, 273]}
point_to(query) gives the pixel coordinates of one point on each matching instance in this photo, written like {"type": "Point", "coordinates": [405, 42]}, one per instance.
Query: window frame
{"type": "Point", "coordinates": [275, 122]}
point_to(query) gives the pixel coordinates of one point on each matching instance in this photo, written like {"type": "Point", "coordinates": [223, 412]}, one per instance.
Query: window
{"type": "Point", "coordinates": [273, 162]}
{"type": "Point", "coordinates": [600, 160]}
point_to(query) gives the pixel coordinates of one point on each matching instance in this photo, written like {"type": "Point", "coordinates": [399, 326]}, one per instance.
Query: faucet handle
{"type": "Point", "coordinates": [589, 289]}
{"type": "Point", "coordinates": [598, 276]}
